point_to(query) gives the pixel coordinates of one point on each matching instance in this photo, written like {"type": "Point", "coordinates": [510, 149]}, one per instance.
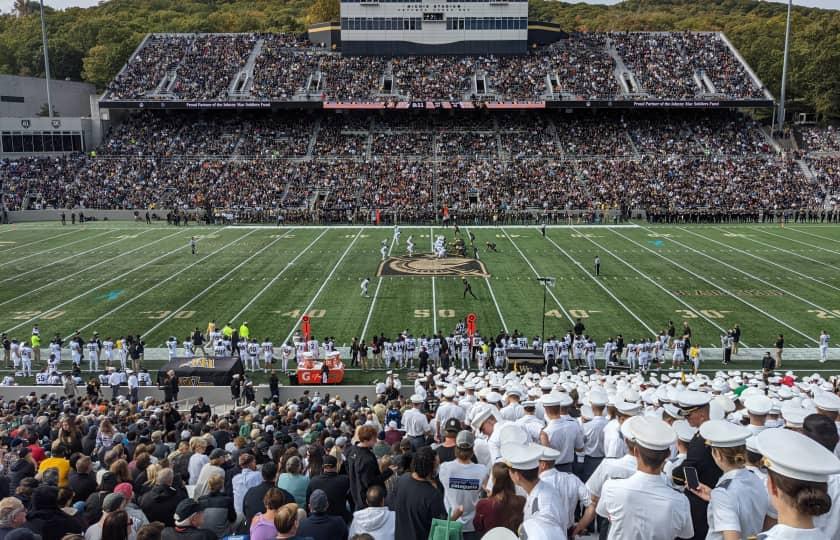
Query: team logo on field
{"type": "Point", "coordinates": [427, 264]}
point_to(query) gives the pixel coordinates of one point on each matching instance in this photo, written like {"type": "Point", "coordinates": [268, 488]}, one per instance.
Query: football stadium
{"type": "Point", "coordinates": [445, 270]}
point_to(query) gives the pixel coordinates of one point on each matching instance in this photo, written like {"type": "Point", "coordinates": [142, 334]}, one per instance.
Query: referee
{"type": "Point", "coordinates": [597, 265]}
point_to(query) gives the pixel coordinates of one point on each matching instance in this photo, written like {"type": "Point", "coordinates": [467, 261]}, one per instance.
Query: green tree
{"type": "Point", "coordinates": [323, 11]}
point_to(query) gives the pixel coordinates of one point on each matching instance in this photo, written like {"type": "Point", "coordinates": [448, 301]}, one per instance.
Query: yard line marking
{"type": "Point", "coordinates": [669, 293]}
{"type": "Point", "coordinates": [748, 274]}
{"type": "Point", "coordinates": [275, 278]}
{"type": "Point", "coordinates": [161, 282]}
{"type": "Point", "coordinates": [68, 257]}
{"type": "Point", "coordinates": [715, 285]}
{"type": "Point", "coordinates": [550, 292]}
{"type": "Point", "coordinates": [768, 261]}
{"type": "Point", "coordinates": [373, 300]}
{"type": "Point", "coordinates": [492, 294]}
{"type": "Point", "coordinates": [800, 231]}
{"type": "Point", "coordinates": [803, 243]}
{"type": "Point", "coordinates": [434, 297]}
{"type": "Point", "coordinates": [136, 268]}
{"type": "Point", "coordinates": [91, 267]}
{"type": "Point", "coordinates": [15, 260]}
{"type": "Point", "coordinates": [606, 290]}
{"type": "Point", "coordinates": [324, 284]}
{"type": "Point", "coordinates": [43, 240]}
{"type": "Point", "coordinates": [209, 287]}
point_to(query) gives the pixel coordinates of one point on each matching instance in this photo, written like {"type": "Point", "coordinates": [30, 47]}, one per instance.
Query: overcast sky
{"type": "Point", "coordinates": [6, 5]}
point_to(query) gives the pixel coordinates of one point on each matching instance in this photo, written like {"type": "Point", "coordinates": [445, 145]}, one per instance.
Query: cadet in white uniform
{"type": "Point", "coordinates": [684, 433]}
{"type": "Point", "coordinates": [562, 432]}
{"type": "Point", "coordinates": [530, 422]}
{"type": "Point", "coordinates": [542, 507]}
{"type": "Point", "coordinates": [614, 446]}
{"type": "Point", "coordinates": [796, 463]}
{"type": "Point", "coordinates": [568, 490]}
{"type": "Point", "coordinates": [416, 424]}
{"type": "Point", "coordinates": [643, 506]}
{"type": "Point", "coordinates": [593, 423]}
{"type": "Point", "coordinates": [738, 504]}
{"type": "Point", "coordinates": [824, 339]}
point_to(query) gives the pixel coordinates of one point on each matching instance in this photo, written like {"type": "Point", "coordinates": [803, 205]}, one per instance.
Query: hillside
{"type": "Point", "coordinates": [92, 44]}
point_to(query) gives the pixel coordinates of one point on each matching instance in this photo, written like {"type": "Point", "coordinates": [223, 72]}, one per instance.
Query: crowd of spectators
{"type": "Point", "coordinates": [582, 67]}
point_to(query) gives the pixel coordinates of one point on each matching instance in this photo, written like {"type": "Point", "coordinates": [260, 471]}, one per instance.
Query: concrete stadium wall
{"type": "Point", "coordinates": [213, 395]}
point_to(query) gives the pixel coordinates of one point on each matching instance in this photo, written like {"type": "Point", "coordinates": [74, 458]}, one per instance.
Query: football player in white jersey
{"type": "Point", "coordinates": [383, 250]}
{"type": "Point", "coordinates": [172, 347]}
{"type": "Point", "coordinates": [824, 339]}
{"type": "Point", "coordinates": [364, 286]}
{"type": "Point", "coordinates": [189, 348]}
{"type": "Point", "coordinates": [219, 349]}
{"type": "Point", "coordinates": [564, 356]}
{"type": "Point", "coordinates": [253, 351]}
{"type": "Point", "coordinates": [52, 363]}
{"type": "Point", "coordinates": [55, 349]}
{"type": "Point", "coordinates": [386, 353]}
{"type": "Point", "coordinates": [108, 350]}
{"type": "Point", "coordinates": [677, 359]}
{"type": "Point", "coordinates": [268, 352]}
{"type": "Point", "coordinates": [396, 235]}
{"type": "Point", "coordinates": [644, 354]}
{"type": "Point", "coordinates": [287, 353]}
{"type": "Point", "coordinates": [300, 348]}
{"type": "Point", "coordinates": [26, 354]}
{"type": "Point", "coordinates": [481, 358]}
{"type": "Point", "coordinates": [631, 354]}
{"type": "Point", "coordinates": [410, 350]}
{"type": "Point", "coordinates": [499, 357]}
{"type": "Point", "coordinates": [589, 350]}
{"type": "Point", "coordinates": [409, 246]}
{"type": "Point", "coordinates": [465, 353]}
{"type": "Point", "coordinates": [93, 354]}
{"type": "Point", "coordinates": [15, 351]}
{"type": "Point", "coordinates": [399, 352]}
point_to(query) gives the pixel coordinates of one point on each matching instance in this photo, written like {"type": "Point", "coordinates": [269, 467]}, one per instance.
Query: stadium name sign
{"type": "Point", "coordinates": [434, 105]}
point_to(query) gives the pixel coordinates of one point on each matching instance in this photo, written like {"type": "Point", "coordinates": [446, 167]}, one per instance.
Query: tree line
{"type": "Point", "coordinates": [93, 44]}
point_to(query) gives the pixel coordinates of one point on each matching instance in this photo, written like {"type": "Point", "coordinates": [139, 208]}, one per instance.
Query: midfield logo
{"type": "Point", "coordinates": [427, 264]}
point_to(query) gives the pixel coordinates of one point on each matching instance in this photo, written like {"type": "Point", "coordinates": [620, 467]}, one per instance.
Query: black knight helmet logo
{"type": "Point", "coordinates": [426, 264]}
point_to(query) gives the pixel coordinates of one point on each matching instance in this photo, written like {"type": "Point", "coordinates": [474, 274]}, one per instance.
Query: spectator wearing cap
{"type": "Point", "coordinates": [363, 469]}
{"type": "Point", "coordinates": [12, 515]}
{"type": "Point", "coordinates": [662, 513]}
{"type": "Point", "coordinates": [738, 505]}
{"type": "Point", "coordinates": [446, 450]}
{"type": "Point", "coordinates": [59, 461]}
{"type": "Point", "coordinates": [694, 406]}
{"type": "Point", "coordinates": [219, 514]}
{"type": "Point", "coordinates": [113, 502]}
{"type": "Point", "coordinates": [337, 488]}
{"type": "Point", "coordinates": [188, 521]}
{"type": "Point", "coordinates": [463, 481]}
{"type": "Point", "coordinates": [684, 434]}
{"type": "Point", "coordinates": [562, 432]}
{"type": "Point", "coordinates": [319, 524]}
{"type": "Point", "coordinates": [159, 503]}
{"type": "Point", "coordinates": [218, 457]}
{"type": "Point", "coordinates": [93, 504]}
{"type": "Point", "coordinates": [138, 518]}
{"type": "Point", "coordinates": [81, 480]}
{"type": "Point", "coordinates": [416, 425]}
{"type": "Point", "coordinates": [247, 478]}
{"type": "Point", "coordinates": [799, 470]}
{"type": "Point", "coordinates": [758, 407]}
{"type": "Point", "coordinates": [47, 519]}
{"type": "Point", "coordinates": [569, 492]}
{"type": "Point", "coordinates": [541, 516]}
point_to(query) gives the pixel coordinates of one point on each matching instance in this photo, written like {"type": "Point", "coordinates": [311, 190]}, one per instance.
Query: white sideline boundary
{"type": "Point", "coordinates": [434, 293]}
{"type": "Point", "coordinates": [80, 295]}
{"type": "Point", "coordinates": [715, 285]}
{"type": "Point", "coordinates": [663, 289]}
{"type": "Point", "coordinates": [209, 287]}
{"type": "Point", "coordinates": [18, 259]}
{"type": "Point", "coordinates": [375, 296]}
{"type": "Point", "coordinates": [748, 274]}
{"type": "Point", "coordinates": [91, 267]}
{"type": "Point", "coordinates": [768, 261]}
{"type": "Point", "coordinates": [492, 294]}
{"type": "Point", "coordinates": [161, 282]}
{"type": "Point", "coordinates": [603, 287]}
{"type": "Point", "coordinates": [537, 274]}
{"type": "Point", "coordinates": [439, 226]}
{"type": "Point", "coordinates": [803, 243]}
{"type": "Point", "coordinates": [276, 277]}
{"type": "Point", "coordinates": [47, 239]}
{"type": "Point", "coordinates": [794, 229]}
{"type": "Point", "coordinates": [324, 284]}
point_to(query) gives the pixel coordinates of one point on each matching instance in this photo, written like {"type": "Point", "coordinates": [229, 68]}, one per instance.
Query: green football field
{"type": "Point", "coordinates": [120, 278]}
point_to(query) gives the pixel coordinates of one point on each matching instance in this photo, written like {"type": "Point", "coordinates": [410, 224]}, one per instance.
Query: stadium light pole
{"type": "Point", "coordinates": [784, 69]}
{"type": "Point", "coordinates": [46, 60]}
{"type": "Point", "coordinates": [546, 282]}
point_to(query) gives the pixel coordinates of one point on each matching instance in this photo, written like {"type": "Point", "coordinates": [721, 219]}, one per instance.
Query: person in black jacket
{"type": "Point", "coordinates": [320, 525]}
{"type": "Point", "coordinates": [363, 468]}
{"type": "Point", "coordinates": [219, 514]}
{"type": "Point", "coordinates": [93, 504]}
{"type": "Point", "coordinates": [47, 519]}
{"type": "Point", "coordinates": [81, 480]}
{"type": "Point", "coordinates": [253, 503]}
{"type": "Point", "coordinates": [24, 467]}
{"type": "Point", "coordinates": [160, 502]}
{"type": "Point", "coordinates": [337, 488]}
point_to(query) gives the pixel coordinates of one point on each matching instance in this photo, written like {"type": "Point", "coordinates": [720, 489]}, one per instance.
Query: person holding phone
{"type": "Point", "coordinates": [797, 480]}
{"type": "Point", "coordinates": [738, 505]}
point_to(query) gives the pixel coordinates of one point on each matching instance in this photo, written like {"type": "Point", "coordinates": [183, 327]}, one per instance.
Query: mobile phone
{"type": "Point", "coordinates": [691, 477]}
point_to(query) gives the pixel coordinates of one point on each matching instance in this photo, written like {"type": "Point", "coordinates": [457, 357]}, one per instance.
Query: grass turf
{"type": "Point", "coordinates": [122, 278]}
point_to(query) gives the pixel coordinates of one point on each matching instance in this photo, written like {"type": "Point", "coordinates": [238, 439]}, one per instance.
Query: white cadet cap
{"type": "Point", "coordinates": [416, 398]}
{"type": "Point", "coordinates": [724, 434]}
{"type": "Point", "coordinates": [556, 399]}
{"type": "Point", "coordinates": [499, 533]}
{"type": "Point", "coordinates": [672, 410]}
{"type": "Point", "coordinates": [684, 430]}
{"type": "Point", "coordinates": [513, 433]}
{"type": "Point", "coordinates": [521, 457]}
{"type": "Point", "coordinates": [548, 453]}
{"type": "Point", "coordinates": [796, 456]}
{"type": "Point", "coordinates": [648, 432]}
{"type": "Point", "coordinates": [586, 412]}
{"type": "Point", "coordinates": [752, 445]}
{"type": "Point", "coordinates": [827, 401]}
{"type": "Point", "coordinates": [449, 392]}
{"type": "Point", "coordinates": [758, 404]}
{"type": "Point", "coordinates": [598, 397]}
{"type": "Point", "coordinates": [493, 397]}
{"type": "Point", "coordinates": [481, 416]}
{"type": "Point", "coordinates": [795, 416]}
{"type": "Point", "coordinates": [691, 399]}
{"type": "Point", "coordinates": [628, 409]}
